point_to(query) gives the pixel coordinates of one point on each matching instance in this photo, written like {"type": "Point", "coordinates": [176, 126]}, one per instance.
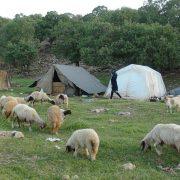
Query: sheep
{"type": "Point", "coordinates": [20, 100]}
{"type": "Point", "coordinates": [56, 117]}
{"type": "Point", "coordinates": [62, 99]}
{"type": "Point", "coordinates": [172, 103]}
{"type": "Point", "coordinates": [4, 100]}
{"type": "Point", "coordinates": [38, 96]}
{"type": "Point", "coordinates": [24, 113]}
{"type": "Point", "coordinates": [8, 107]}
{"type": "Point", "coordinates": [84, 139]}
{"type": "Point", "coordinates": [162, 134]}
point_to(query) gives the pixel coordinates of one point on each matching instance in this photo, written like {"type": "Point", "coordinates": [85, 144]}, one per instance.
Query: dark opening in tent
{"type": "Point", "coordinates": [71, 80]}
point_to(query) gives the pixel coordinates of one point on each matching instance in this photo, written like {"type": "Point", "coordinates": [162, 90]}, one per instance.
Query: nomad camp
{"type": "Point", "coordinates": [89, 90]}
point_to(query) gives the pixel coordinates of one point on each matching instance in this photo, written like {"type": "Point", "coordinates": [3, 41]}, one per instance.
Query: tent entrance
{"type": "Point", "coordinates": [57, 85]}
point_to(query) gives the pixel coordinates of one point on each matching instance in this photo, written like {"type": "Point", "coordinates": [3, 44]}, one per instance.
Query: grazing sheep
{"type": "Point", "coordinates": [172, 103]}
{"type": "Point", "coordinates": [56, 117]}
{"type": "Point", "coordinates": [4, 100]}
{"type": "Point", "coordinates": [24, 113]}
{"type": "Point", "coordinates": [84, 139]}
{"type": "Point", "coordinates": [8, 107]}
{"type": "Point", "coordinates": [162, 134]}
{"type": "Point", "coordinates": [37, 96]}
{"type": "Point", "coordinates": [62, 99]}
{"type": "Point", "coordinates": [20, 100]}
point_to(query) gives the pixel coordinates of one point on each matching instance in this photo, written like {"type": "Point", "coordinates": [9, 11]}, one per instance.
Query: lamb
{"type": "Point", "coordinates": [84, 139]}
{"type": "Point", "coordinates": [162, 134]}
{"type": "Point", "coordinates": [172, 103]}
{"type": "Point", "coordinates": [62, 99]}
{"type": "Point", "coordinates": [38, 96]}
{"type": "Point", "coordinates": [8, 107]}
{"type": "Point", "coordinates": [56, 117]}
{"type": "Point", "coordinates": [24, 113]}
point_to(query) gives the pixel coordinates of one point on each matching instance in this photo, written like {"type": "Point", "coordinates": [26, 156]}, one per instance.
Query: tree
{"type": "Point", "coordinates": [18, 45]}
{"type": "Point", "coordinates": [67, 39]}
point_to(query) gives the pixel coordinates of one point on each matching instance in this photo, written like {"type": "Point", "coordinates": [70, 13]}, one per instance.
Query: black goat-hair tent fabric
{"type": "Point", "coordinates": [70, 76]}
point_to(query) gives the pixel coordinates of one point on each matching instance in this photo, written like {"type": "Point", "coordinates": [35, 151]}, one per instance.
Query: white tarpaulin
{"type": "Point", "coordinates": [138, 82]}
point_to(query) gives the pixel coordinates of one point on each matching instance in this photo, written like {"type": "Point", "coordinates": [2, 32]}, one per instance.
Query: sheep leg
{"type": "Point", "coordinates": [159, 152]}
{"type": "Point", "coordinates": [86, 152]}
{"type": "Point", "coordinates": [76, 151]}
{"type": "Point", "coordinates": [178, 146]}
{"type": "Point", "coordinates": [30, 128]}
{"type": "Point", "coordinates": [19, 124]}
{"type": "Point", "coordinates": [12, 124]}
{"type": "Point", "coordinates": [92, 155]}
{"type": "Point", "coordinates": [170, 110]}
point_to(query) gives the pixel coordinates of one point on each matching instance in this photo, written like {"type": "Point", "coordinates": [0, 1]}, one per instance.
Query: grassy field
{"type": "Point", "coordinates": [35, 158]}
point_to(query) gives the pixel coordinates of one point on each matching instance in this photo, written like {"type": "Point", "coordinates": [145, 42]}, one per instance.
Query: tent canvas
{"type": "Point", "coordinates": [72, 77]}
{"type": "Point", "coordinates": [175, 92]}
{"type": "Point", "coordinates": [138, 82]}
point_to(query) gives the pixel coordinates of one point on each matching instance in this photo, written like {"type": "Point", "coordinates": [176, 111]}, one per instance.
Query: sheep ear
{"type": "Point", "coordinates": [143, 144]}
{"type": "Point", "coordinates": [68, 148]}
{"type": "Point", "coordinates": [30, 98]}
{"type": "Point", "coordinates": [61, 97]}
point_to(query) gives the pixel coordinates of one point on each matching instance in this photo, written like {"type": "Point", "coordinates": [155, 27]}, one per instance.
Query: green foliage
{"type": "Point", "coordinates": [148, 36]}
{"type": "Point", "coordinates": [67, 38]}
{"type": "Point", "coordinates": [21, 53]}
{"type": "Point", "coordinates": [18, 45]}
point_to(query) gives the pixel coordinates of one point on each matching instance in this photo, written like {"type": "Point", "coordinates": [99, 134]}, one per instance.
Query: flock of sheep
{"type": "Point", "coordinates": [83, 140]}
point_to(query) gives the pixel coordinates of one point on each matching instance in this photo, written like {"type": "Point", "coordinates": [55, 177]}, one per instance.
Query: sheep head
{"type": "Point", "coordinates": [145, 145]}
{"type": "Point", "coordinates": [66, 112]}
{"type": "Point", "coordinates": [70, 148]}
{"type": "Point", "coordinates": [42, 125]}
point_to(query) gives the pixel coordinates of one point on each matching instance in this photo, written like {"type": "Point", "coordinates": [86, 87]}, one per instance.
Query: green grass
{"type": "Point", "coordinates": [35, 158]}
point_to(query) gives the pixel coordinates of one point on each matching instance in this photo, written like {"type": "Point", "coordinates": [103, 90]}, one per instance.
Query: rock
{"type": "Point", "coordinates": [128, 166]}
{"type": "Point", "coordinates": [167, 169]}
{"type": "Point", "coordinates": [57, 147]}
{"type": "Point", "coordinates": [75, 177]}
{"type": "Point", "coordinates": [18, 135]}
{"type": "Point", "coordinates": [113, 120]}
{"type": "Point", "coordinates": [99, 110]}
{"type": "Point", "coordinates": [65, 177]}
{"type": "Point", "coordinates": [124, 113]}
{"type": "Point", "coordinates": [14, 134]}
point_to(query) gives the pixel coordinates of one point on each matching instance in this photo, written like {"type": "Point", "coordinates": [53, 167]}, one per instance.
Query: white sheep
{"type": "Point", "coordinates": [62, 99]}
{"type": "Point", "coordinates": [84, 139]}
{"type": "Point", "coordinates": [168, 134]}
{"type": "Point", "coordinates": [24, 113]}
{"type": "Point", "coordinates": [172, 103]}
{"type": "Point", "coordinates": [37, 96]}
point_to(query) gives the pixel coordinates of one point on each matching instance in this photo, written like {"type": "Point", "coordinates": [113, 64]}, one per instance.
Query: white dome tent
{"type": "Point", "coordinates": [138, 82]}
